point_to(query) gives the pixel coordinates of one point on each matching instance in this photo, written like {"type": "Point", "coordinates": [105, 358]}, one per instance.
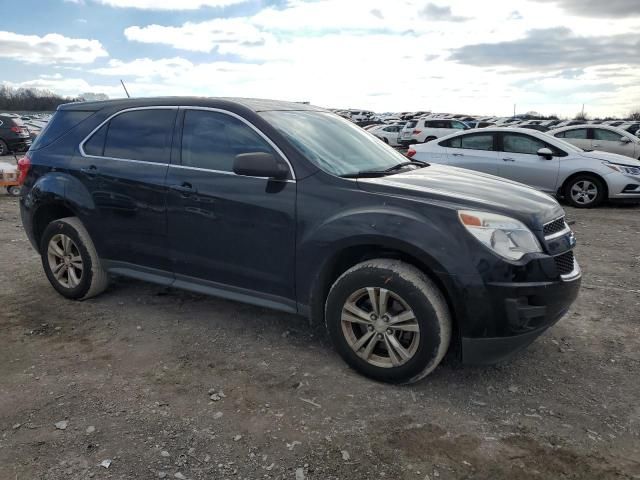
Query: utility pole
{"type": "Point", "coordinates": [583, 110]}
{"type": "Point", "coordinates": [514, 109]}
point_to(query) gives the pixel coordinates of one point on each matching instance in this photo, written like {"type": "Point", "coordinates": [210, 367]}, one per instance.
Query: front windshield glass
{"type": "Point", "coordinates": [334, 144]}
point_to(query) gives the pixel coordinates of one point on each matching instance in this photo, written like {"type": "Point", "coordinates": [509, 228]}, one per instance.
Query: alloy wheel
{"type": "Point", "coordinates": [65, 261]}
{"type": "Point", "coordinates": [584, 192]}
{"type": "Point", "coordinates": [380, 327]}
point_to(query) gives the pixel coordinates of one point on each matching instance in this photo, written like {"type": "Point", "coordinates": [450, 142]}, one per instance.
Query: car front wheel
{"type": "Point", "coordinates": [585, 191]}
{"type": "Point", "coordinates": [70, 260]}
{"type": "Point", "coordinates": [388, 321]}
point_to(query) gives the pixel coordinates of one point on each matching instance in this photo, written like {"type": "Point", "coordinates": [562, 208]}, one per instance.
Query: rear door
{"type": "Point", "coordinates": [226, 230]}
{"type": "Point", "coordinates": [609, 141]}
{"type": "Point", "coordinates": [124, 165]}
{"type": "Point", "coordinates": [578, 136]}
{"type": "Point", "coordinates": [475, 151]}
{"type": "Point", "coordinates": [519, 161]}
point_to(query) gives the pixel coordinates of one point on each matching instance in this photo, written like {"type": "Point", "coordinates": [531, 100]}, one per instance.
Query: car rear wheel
{"type": "Point", "coordinates": [14, 190]}
{"type": "Point", "coordinates": [385, 140]}
{"type": "Point", "coordinates": [70, 260]}
{"type": "Point", "coordinates": [585, 191]}
{"type": "Point", "coordinates": [428, 139]}
{"type": "Point", "coordinates": [4, 148]}
{"type": "Point", "coordinates": [388, 321]}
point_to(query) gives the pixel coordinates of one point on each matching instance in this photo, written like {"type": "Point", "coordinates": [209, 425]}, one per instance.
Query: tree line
{"type": "Point", "coordinates": [30, 99]}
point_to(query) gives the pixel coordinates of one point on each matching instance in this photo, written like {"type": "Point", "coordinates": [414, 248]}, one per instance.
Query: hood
{"type": "Point", "coordinates": [466, 189]}
{"type": "Point", "coordinates": [611, 157]}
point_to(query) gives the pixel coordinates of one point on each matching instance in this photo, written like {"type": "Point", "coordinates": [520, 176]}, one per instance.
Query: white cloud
{"type": "Point", "coordinates": [49, 49]}
{"type": "Point", "coordinates": [168, 4]}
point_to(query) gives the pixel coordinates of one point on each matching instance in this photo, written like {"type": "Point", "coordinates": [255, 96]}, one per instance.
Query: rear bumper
{"type": "Point", "coordinates": [521, 312]}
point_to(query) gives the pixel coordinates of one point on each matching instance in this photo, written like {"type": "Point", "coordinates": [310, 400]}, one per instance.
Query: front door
{"type": "Point", "coordinates": [519, 161]}
{"type": "Point", "coordinates": [609, 141]}
{"type": "Point", "coordinates": [228, 231]}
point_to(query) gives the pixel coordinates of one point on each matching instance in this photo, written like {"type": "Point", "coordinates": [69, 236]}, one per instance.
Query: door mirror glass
{"type": "Point", "coordinates": [546, 153]}
{"type": "Point", "coordinates": [259, 164]}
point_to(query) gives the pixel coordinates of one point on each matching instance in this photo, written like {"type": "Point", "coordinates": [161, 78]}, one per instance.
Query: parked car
{"type": "Point", "coordinates": [534, 126]}
{"type": "Point", "coordinates": [429, 129]}
{"type": "Point", "coordinates": [290, 207]}
{"type": "Point", "coordinates": [14, 136]}
{"type": "Point", "coordinates": [584, 179]}
{"type": "Point", "coordinates": [600, 137]}
{"type": "Point", "coordinates": [389, 134]}
{"type": "Point", "coordinates": [632, 127]}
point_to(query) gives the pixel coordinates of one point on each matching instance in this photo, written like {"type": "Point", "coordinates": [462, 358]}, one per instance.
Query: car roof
{"type": "Point", "coordinates": [601, 126]}
{"type": "Point", "coordinates": [255, 104]}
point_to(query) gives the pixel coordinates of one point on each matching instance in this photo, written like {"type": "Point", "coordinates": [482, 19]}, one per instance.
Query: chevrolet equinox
{"type": "Point", "coordinates": [290, 207]}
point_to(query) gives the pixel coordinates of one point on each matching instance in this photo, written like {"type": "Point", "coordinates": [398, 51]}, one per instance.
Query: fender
{"type": "Point", "coordinates": [385, 227]}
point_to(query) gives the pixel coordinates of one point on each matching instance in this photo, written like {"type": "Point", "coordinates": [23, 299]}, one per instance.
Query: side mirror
{"type": "Point", "coordinates": [259, 164]}
{"type": "Point", "coordinates": [545, 153]}
{"type": "Point", "coordinates": [625, 139]}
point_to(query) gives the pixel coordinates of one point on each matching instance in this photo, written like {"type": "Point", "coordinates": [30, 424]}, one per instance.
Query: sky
{"type": "Point", "coordinates": [458, 56]}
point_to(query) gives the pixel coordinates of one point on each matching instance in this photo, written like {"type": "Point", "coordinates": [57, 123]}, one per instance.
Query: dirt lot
{"type": "Point", "coordinates": [130, 373]}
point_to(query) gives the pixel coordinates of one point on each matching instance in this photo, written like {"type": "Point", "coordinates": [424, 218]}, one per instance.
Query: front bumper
{"type": "Point", "coordinates": [521, 312]}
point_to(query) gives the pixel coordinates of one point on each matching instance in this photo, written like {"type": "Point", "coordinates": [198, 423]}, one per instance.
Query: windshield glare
{"type": "Point", "coordinates": [334, 144]}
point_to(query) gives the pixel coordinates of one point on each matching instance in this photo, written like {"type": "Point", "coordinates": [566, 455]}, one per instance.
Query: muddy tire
{"type": "Point", "coordinates": [70, 260]}
{"type": "Point", "coordinates": [388, 321]}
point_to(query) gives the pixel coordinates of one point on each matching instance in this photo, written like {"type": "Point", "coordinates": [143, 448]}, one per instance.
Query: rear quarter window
{"type": "Point", "coordinates": [60, 123]}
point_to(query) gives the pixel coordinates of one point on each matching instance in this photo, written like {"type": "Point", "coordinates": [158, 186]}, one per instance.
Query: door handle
{"type": "Point", "coordinates": [596, 145]}
{"type": "Point", "coordinates": [90, 170]}
{"type": "Point", "coordinates": [458, 154]}
{"type": "Point", "coordinates": [509, 159]}
{"type": "Point", "coordinates": [184, 188]}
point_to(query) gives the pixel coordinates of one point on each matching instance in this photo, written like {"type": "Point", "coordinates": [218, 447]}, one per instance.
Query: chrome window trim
{"type": "Point", "coordinates": [183, 107]}
{"type": "Point", "coordinates": [224, 172]}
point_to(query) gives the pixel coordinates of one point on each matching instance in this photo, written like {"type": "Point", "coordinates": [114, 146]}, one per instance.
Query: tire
{"type": "Point", "coordinates": [87, 281]}
{"type": "Point", "coordinates": [410, 293]}
{"type": "Point", "coordinates": [585, 191]}
{"type": "Point", "coordinates": [4, 148]}
{"type": "Point", "coordinates": [385, 140]}
{"type": "Point", "coordinates": [428, 139]}
{"type": "Point", "coordinates": [14, 190]}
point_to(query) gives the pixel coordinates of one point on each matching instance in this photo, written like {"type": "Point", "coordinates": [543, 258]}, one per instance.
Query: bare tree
{"type": "Point", "coordinates": [582, 116]}
{"type": "Point", "coordinates": [635, 116]}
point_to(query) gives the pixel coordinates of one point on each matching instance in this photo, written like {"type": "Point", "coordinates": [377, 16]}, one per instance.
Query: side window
{"type": "Point", "coordinates": [577, 134]}
{"type": "Point", "coordinates": [95, 145]}
{"type": "Point", "coordinates": [477, 142]}
{"type": "Point", "coordinates": [522, 144]}
{"type": "Point", "coordinates": [606, 135]}
{"type": "Point", "coordinates": [143, 135]}
{"type": "Point", "coordinates": [455, 142]}
{"type": "Point", "coordinates": [211, 140]}
{"type": "Point", "coordinates": [560, 135]}
{"type": "Point", "coordinates": [458, 125]}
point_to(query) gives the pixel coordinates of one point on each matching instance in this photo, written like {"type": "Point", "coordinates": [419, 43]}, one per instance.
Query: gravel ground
{"type": "Point", "coordinates": [159, 383]}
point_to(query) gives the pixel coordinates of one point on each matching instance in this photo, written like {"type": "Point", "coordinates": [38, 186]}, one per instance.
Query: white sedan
{"type": "Point", "coordinates": [600, 137]}
{"type": "Point", "coordinates": [389, 134]}
{"type": "Point", "coordinates": [584, 178]}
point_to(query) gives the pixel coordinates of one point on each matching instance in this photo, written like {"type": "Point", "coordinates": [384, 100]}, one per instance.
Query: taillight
{"type": "Point", "coordinates": [16, 129]}
{"type": "Point", "coordinates": [417, 132]}
{"type": "Point", "coordinates": [411, 152]}
{"type": "Point", "coordinates": [24, 164]}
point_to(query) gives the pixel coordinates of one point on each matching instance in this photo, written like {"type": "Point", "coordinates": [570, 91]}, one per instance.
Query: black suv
{"type": "Point", "coordinates": [291, 207]}
{"type": "Point", "coordinates": [14, 135]}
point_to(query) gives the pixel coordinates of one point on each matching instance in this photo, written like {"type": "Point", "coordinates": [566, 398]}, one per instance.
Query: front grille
{"type": "Point", "coordinates": [564, 263]}
{"type": "Point", "coordinates": [554, 227]}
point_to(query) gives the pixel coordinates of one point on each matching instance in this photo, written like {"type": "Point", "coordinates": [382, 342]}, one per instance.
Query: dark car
{"type": "Point", "coordinates": [14, 135]}
{"type": "Point", "coordinates": [291, 207]}
{"type": "Point", "coordinates": [539, 128]}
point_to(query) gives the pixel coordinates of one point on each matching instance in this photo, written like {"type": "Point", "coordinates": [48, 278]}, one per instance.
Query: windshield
{"type": "Point", "coordinates": [334, 144]}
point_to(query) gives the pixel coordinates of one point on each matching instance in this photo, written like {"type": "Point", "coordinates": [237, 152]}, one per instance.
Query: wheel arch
{"type": "Point", "coordinates": [566, 181]}
{"type": "Point", "coordinates": [353, 254]}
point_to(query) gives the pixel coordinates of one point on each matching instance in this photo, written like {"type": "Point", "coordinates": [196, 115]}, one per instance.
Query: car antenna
{"type": "Point", "coordinates": [125, 89]}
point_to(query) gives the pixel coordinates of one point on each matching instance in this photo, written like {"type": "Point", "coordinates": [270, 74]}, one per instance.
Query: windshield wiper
{"type": "Point", "coordinates": [382, 173]}
{"type": "Point", "coordinates": [405, 164]}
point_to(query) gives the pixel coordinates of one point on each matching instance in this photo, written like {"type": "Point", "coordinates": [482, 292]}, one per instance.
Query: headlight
{"type": "Point", "coordinates": [506, 236]}
{"type": "Point", "coordinates": [635, 171]}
